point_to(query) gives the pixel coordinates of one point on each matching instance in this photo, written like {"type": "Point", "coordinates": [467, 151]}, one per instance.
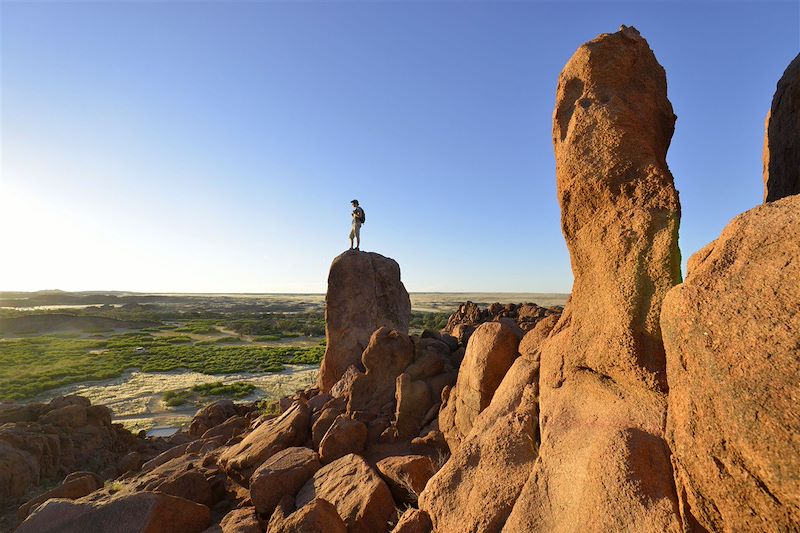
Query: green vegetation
{"type": "Point", "coordinates": [40, 361]}
{"type": "Point", "coordinates": [198, 328]}
{"type": "Point", "coordinates": [266, 338]}
{"type": "Point", "coordinates": [220, 340]}
{"type": "Point", "coordinates": [310, 324]}
{"type": "Point", "coordinates": [269, 407]}
{"type": "Point", "coordinates": [201, 392]}
{"type": "Point", "coordinates": [30, 365]}
{"type": "Point", "coordinates": [421, 320]}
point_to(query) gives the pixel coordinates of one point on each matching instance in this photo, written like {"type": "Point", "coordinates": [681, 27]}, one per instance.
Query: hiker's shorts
{"type": "Point", "coordinates": [355, 232]}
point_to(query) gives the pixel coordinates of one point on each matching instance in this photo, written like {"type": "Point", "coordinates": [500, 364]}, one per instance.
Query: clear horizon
{"type": "Point", "coordinates": [176, 147]}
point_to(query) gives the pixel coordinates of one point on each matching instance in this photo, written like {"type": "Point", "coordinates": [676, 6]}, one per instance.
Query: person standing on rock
{"type": "Point", "coordinates": [359, 217]}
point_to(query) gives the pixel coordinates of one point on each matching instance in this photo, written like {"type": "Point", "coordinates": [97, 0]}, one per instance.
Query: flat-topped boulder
{"type": "Point", "coordinates": [364, 293]}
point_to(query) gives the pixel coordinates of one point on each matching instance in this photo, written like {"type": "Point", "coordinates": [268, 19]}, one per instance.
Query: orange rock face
{"type": "Point", "coordinates": [144, 511]}
{"type": "Point", "coordinates": [359, 495]}
{"type": "Point", "coordinates": [289, 429]}
{"type": "Point", "coordinates": [782, 137]}
{"type": "Point", "coordinates": [603, 463]}
{"type": "Point", "coordinates": [491, 351]}
{"type": "Point", "coordinates": [364, 293]}
{"type": "Point", "coordinates": [731, 333]}
{"type": "Point", "coordinates": [476, 489]}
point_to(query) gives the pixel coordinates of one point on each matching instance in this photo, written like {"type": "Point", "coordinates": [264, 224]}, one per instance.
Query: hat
{"type": "Point", "coordinates": [354, 202]}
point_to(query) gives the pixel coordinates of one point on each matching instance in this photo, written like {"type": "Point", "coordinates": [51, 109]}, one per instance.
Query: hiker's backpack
{"type": "Point", "coordinates": [362, 216]}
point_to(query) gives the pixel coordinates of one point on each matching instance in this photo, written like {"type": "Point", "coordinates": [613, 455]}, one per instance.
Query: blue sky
{"type": "Point", "coordinates": [215, 146]}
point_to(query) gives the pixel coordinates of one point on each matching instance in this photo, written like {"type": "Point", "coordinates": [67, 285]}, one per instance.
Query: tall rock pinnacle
{"type": "Point", "coordinates": [604, 464]}
{"type": "Point", "coordinates": [364, 293]}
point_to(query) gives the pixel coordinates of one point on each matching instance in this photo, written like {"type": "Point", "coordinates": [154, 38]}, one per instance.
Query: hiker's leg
{"type": "Point", "coordinates": [352, 235]}
{"type": "Point", "coordinates": [358, 236]}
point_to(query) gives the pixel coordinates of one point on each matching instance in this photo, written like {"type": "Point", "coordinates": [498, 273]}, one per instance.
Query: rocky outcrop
{"type": "Point", "coordinates": [782, 137]}
{"type": "Point", "coordinates": [135, 513]}
{"type": "Point", "coordinates": [345, 436]}
{"type": "Point", "coordinates": [469, 316]}
{"type": "Point", "coordinates": [603, 462]}
{"type": "Point", "coordinates": [364, 293]}
{"type": "Point", "coordinates": [406, 476]}
{"type": "Point", "coordinates": [215, 414]}
{"type": "Point", "coordinates": [241, 520]}
{"type": "Point", "coordinates": [413, 521]}
{"type": "Point", "coordinates": [281, 475]}
{"type": "Point", "coordinates": [269, 437]}
{"type": "Point", "coordinates": [389, 352]}
{"type": "Point", "coordinates": [476, 489]}
{"type": "Point", "coordinates": [317, 516]}
{"type": "Point", "coordinates": [491, 351]}
{"type": "Point", "coordinates": [359, 495]}
{"type": "Point", "coordinates": [41, 442]}
{"type": "Point", "coordinates": [733, 358]}
{"type": "Point", "coordinates": [74, 486]}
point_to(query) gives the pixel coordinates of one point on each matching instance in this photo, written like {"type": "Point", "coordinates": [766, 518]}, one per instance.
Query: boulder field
{"type": "Point", "coordinates": [649, 404]}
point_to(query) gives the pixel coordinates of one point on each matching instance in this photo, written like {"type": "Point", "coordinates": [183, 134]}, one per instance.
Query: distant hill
{"type": "Point", "coordinates": [52, 322]}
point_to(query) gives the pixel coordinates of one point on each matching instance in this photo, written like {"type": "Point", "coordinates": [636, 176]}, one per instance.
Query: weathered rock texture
{"type": "Point", "coordinates": [603, 463]}
{"type": "Point", "coordinates": [289, 429]}
{"type": "Point", "coordinates": [40, 442]}
{"type": "Point", "coordinates": [476, 489]}
{"type": "Point", "coordinates": [733, 361]}
{"type": "Point", "coordinates": [281, 475]}
{"type": "Point", "coordinates": [386, 356]}
{"type": "Point", "coordinates": [782, 137]}
{"type": "Point", "coordinates": [143, 512]}
{"type": "Point", "coordinates": [317, 516]}
{"type": "Point", "coordinates": [491, 351]}
{"type": "Point", "coordinates": [525, 315]}
{"type": "Point", "coordinates": [359, 495]}
{"type": "Point", "coordinates": [364, 293]}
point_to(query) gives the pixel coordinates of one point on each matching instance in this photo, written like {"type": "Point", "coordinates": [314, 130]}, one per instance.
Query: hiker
{"type": "Point", "coordinates": [358, 218]}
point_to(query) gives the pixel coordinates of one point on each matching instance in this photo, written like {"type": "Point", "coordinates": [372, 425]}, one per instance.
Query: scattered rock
{"type": "Point", "coordinates": [74, 487]}
{"type": "Point", "coordinates": [182, 477]}
{"type": "Point", "coordinates": [343, 437]}
{"type": "Point", "coordinates": [44, 442]}
{"type": "Point", "coordinates": [289, 429]}
{"type": "Point", "coordinates": [359, 495]}
{"type": "Point", "coordinates": [469, 316]}
{"type": "Point", "coordinates": [243, 520]}
{"type": "Point", "coordinates": [281, 475]}
{"type": "Point", "coordinates": [413, 402]}
{"type": "Point", "coordinates": [211, 416]}
{"type": "Point", "coordinates": [413, 521]}
{"type": "Point", "coordinates": [476, 489]}
{"type": "Point", "coordinates": [324, 422]}
{"type": "Point", "coordinates": [141, 512]}
{"type": "Point", "coordinates": [406, 475]}
{"type": "Point", "coordinates": [317, 516]}
{"type": "Point", "coordinates": [733, 361]}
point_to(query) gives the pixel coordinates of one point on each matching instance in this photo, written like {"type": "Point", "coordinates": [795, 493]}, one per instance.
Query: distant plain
{"type": "Point", "coordinates": [155, 358]}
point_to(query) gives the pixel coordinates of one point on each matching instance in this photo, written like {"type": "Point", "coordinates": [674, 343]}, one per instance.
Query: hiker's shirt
{"type": "Point", "coordinates": [357, 215]}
